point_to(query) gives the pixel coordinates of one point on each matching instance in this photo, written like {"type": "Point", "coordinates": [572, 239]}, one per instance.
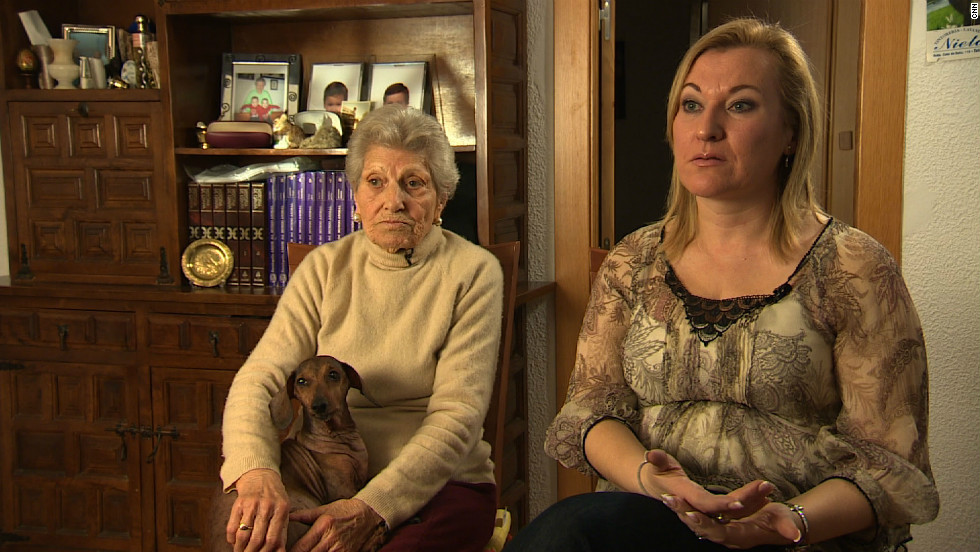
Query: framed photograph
{"type": "Point", "coordinates": [259, 87]}
{"type": "Point", "coordinates": [357, 110]}
{"type": "Point", "coordinates": [93, 41]}
{"type": "Point", "coordinates": [331, 84]}
{"type": "Point", "coordinates": [400, 82]}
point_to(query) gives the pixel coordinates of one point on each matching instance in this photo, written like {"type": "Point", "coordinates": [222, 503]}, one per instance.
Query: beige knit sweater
{"type": "Point", "coordinates": [424, 339]}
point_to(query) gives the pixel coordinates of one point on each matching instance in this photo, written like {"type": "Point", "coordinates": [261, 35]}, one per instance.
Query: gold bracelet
{"type": "Point", "coordinates": [798, 510]}
{"type": "Point", "coordinates": [639, 473]}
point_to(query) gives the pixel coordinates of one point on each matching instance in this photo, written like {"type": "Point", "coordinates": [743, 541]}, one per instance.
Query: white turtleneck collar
{"type": "Point", "coordinates": [406, 257]}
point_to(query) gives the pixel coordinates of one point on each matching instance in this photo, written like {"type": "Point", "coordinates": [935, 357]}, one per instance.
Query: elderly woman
{"type": "Point", "coordinates": [416, 310]}
{"type": "Point", "coordinates": [751, 370]}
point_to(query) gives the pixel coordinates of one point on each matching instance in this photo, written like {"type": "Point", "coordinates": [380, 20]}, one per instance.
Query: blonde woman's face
{"type": "Point", "coordinates": [730, 130]}
{"type": "Point", "coordinates": [396, 198]}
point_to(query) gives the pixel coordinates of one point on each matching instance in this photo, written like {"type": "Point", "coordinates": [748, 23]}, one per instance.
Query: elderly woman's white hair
{"type": "Point", "coordinates": [405, 128]}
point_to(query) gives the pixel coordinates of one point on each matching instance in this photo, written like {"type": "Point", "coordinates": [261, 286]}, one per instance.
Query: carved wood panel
{"type": "Point", "coordinates": [92, 203]}
{"type": "Point", "coordinates": [189, 402]}
{"type": "Point", "coordinates": [71, 473]}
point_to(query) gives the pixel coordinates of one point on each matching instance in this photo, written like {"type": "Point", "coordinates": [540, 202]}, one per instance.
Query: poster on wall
{"type": "Point", "coordinates": [953, 29]}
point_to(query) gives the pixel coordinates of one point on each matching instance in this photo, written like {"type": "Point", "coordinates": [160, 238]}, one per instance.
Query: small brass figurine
{"type": "Point", "coordinates": [202, 134]}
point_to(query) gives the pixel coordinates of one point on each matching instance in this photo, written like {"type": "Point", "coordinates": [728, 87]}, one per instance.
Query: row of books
{"type": "Point", "coordinates": [257, 219]}
{"type": "Point", "coordinates": [312, 207]}
{"type": "Point", "coordinates": [235, 214]}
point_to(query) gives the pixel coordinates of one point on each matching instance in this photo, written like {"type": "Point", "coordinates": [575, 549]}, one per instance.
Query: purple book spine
{"type": "Point", "coordinates": [282, 266]}
{"type": "Point", "coordinates": [310, 205]}
{"type": "Point", "coordinates": [349, 206]}
{"type": "Point", "coordinates": [301, 213]}
{"type": "Point", "coordinates": [340, 200]}
{"type": "Point", "coordinates": [292, 229]}
{"type": "Point", "coordinates": [320, 179]}
{"type": "Point", "coordinates": [330, 185]}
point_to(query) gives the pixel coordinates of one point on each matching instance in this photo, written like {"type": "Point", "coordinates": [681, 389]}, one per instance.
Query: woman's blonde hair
{"type": "Point", "coordinates": [795, 200]}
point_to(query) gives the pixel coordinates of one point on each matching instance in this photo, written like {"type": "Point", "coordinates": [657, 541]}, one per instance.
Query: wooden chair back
{"type": "Point", "coordinates": [493, 428]}
{"type": "Point", "coordinates": [596, 256]}
{"type": "Point", "coordinates": [295, 253]}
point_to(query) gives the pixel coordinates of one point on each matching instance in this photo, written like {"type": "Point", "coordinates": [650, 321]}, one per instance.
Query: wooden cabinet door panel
{"type": "Point", "coordinates": [43, 136]}
{"type": "Point", "coordinates": [189, 402]}
{"type": "Point", "coordinates": [87, 134]}
{"type": "Point", "coordinates": [92, 202]}
{"type": "Point", "coordinates": [71, 471]}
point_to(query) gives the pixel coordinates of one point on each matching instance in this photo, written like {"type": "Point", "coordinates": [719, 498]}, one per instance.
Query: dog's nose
{"type": "Point", "coordinates": [320, 407]}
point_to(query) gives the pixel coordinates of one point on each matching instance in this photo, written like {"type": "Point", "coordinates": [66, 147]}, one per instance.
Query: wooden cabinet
{"type": "Point", "coordinates": [69, 477]}
{"type": "Point", "coordinates": [111, 414]}
{"type": "Point", "coordinates": [113, 370]}
{"type": "Point", "coordinates": [92, 201]}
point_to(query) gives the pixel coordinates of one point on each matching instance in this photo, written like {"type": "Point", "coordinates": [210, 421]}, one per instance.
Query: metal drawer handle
{"type": "Point", "coordinates": [213, 339]}
{"type": "Point", "coordinates": [63, 336]}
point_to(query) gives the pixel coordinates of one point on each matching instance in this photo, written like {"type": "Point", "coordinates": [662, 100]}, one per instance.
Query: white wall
{"type": "Point", "coordinates": [941, 263]}
{"type": "Point", "coordinates": [542, 476]}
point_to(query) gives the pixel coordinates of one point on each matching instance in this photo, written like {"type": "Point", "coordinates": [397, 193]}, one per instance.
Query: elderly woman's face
{"type": "Point", "coordinates": [396, 198]}
{"type": "Point", "coordinates": [731, 131]}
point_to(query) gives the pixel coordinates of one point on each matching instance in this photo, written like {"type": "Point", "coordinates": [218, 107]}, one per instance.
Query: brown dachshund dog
{"type": "Point", "coordinates": [326, 458]}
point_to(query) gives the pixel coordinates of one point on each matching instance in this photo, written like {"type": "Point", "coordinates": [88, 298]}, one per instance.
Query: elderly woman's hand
{"type": "Point", "coordinates": [259, 515]}
{"type": "Point", "coordinates": [347, 525]}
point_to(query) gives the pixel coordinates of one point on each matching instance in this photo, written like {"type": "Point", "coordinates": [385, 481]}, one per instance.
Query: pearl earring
{"type": "Point", "coordinates": [438, 221]}
{"type": "Point", "coordinates": [357, 217]}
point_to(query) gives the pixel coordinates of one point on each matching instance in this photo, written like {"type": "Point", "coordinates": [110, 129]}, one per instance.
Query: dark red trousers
{"type": "Point", "coordinates": [458, 519]}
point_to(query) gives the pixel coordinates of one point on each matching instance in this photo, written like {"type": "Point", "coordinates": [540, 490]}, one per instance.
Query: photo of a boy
{"type": "Point", "coordinates": [396, 93]}
{"type": "Point", "coordinates": [334, 96]}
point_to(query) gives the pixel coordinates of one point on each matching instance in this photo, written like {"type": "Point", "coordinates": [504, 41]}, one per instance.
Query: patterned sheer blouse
{"type": "Point", "coordinates": [825, 378]}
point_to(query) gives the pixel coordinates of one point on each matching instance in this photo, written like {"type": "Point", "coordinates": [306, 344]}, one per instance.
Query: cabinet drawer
{"type": "Point", "coordinates": [84, 130]}
{"type": "Point", "coordinates": [68, 330]}
{"type": "Point", "coordinates": [208, 336]}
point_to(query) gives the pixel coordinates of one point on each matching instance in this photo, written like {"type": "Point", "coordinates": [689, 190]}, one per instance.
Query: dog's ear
{"type": "Point", "coordinates": [291, 385]}
{"type": "Point", "coordinates": [281, 406]}
{"type": "Point", "coordinates": [352, 376]}
{"type": "Point", "coordinates": [355, 382]}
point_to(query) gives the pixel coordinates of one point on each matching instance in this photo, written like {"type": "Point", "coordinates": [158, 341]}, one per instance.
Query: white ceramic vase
{"type": "Point", "coordinates": [63, 67]}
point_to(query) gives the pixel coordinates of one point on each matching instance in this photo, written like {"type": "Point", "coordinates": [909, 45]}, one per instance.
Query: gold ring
{"type": "Point", "coordinates": [244, 527]}
{"type": "Point", "coordinates": [721, 519]}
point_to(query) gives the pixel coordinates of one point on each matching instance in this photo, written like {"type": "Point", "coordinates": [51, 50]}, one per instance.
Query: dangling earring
{"type": "Point", "coordinates": [438, 221]}
{"type": "Point", "coordinates": [357, 217]}
{"type": "Point", "coordinates": [786, 161]}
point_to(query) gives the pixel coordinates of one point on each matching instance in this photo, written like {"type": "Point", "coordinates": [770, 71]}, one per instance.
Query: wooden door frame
{"type": "Point", "coordinates": [878, 158]}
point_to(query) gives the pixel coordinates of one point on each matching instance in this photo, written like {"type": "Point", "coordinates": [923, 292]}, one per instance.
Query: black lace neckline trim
{"type": "Point", "coordinates": [709, 318]}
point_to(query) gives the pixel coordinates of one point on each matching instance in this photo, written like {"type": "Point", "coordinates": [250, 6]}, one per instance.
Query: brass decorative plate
{"type": "Point", "coordinates": [207, 262]}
